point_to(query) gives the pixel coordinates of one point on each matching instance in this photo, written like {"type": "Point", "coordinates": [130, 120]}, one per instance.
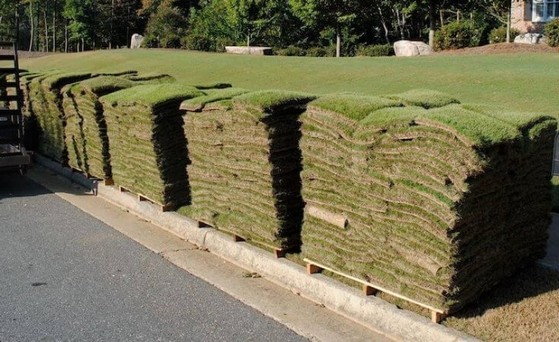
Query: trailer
{"type": "Point", "coordinates": [13, 155]}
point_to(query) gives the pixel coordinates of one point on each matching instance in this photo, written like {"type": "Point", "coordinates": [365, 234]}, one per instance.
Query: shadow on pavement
{"type": "Point", "coordinates": [15, 185]}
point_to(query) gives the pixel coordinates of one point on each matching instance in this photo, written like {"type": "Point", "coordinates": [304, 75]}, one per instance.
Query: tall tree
{"type": "Point", "coordinates": [82, 15]}
{"type": "Point", "coordinates": [333, 14]}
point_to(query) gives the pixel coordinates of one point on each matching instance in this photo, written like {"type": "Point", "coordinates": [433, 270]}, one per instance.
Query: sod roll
{"type": "Point", "coordinates": [148, 148]}
{"type": "Point", "coordinates": [246, 162]}
{"type": "Point", "coordinates": [86, 128]}
{"type": "Point", "coordinates": [417, 194]}
{"type": "Point", "coordinates": [46, 104]}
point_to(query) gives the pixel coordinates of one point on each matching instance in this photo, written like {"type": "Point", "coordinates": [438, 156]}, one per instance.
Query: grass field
{"type": "Point", "coordinates": [522, 82]}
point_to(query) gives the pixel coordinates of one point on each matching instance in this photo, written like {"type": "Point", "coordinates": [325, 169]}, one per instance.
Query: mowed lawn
{"type": "Point", "coordinates": [524, 307]}
{"type": "Point", "coordinates": [519, 82]}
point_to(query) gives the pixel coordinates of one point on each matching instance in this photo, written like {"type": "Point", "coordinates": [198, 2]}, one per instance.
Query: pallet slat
{"type": "Point", "coordinates": [313, 267]}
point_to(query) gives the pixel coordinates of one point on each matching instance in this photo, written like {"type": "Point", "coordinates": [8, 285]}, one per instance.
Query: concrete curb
{"type": "Point", "coordinates": [371, 312]}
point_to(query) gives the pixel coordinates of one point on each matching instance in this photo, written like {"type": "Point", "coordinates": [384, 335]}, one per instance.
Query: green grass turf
{"type": "Point", "coordinates": [521, 82]}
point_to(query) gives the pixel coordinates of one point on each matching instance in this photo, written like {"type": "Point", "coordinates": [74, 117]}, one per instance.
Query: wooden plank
{"type": "Point", "coordinates": [325, 215]}
{"type": "Point", "coordinates": [379, 288]}
{"type": "Point", "coordinates": [437, 317]}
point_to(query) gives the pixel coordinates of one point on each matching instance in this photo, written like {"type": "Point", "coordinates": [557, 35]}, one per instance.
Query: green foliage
{"type": "Point", "coordinates": [165, 28]}
{"type": "Point", "coordinates": [81, 15]}
{"type": "Point", "coordinates": [551, 32]}
{"type": "Point", "coordinates": [319, 51]}
{"type": "Point", "coordinates": [197, 42]}
{"type": "Point", "coordinates": [499, 35]}
{"type": "Point", "coordinates": [457, 35]}
{"type": "Point", "coordinates": [375, 50]}
{"type": "Point", "coordinates": [292, 51]}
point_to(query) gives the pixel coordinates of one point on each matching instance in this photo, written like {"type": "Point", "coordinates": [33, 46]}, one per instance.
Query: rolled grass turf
{"type": "Point", "coordinates": [246, 163]}
{"type": "Point", "coordinates": [148, 148]}
{"type": "Point", "coordinates": [46, 105]}
{"type": "Point", "coordinates": [86, 128]}
{"type": "Point", "coordinates": [417, 194]}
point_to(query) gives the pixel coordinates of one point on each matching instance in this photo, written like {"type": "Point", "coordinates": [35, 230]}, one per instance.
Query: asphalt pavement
{"type": "Point", "coordinates": [65, 275]}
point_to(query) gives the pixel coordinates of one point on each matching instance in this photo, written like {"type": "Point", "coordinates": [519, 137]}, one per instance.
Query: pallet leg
{"type": "Point", "coordinates": [369, 291]}
{"type": "Point", "coordinates": [280, 253]}
{"type": "Point", "coordinates": [437, 317]}
{"type": "Point", "coordinates": [312, 269]}
{"type": "Point", "coordinates": [238, 238]}
{"type": "Point", "coordinates": [109, 181]}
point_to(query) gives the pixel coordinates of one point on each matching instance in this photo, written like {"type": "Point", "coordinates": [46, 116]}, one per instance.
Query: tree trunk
{"type": "Point", "coordinates": [508, 26]}
{"type": "Point", "coordinates": [432, 14]}
{"type": "Point", "coordinates": [66, 37]}
{"type": "Point", "coordinates": [46, 48]}
{"type": "Point", "coordinates": [54, 27]}
{"type": "Point", "coordinates": [31, 26]}
{"type": "Point", "coordinates": [384, 26]}
{"type": "Point", "coordinates": [338, 42]}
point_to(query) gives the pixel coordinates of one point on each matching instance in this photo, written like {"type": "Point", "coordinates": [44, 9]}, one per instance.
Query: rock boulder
{"type": "Point", "coordinates": [136, 41]}
{"type": "Point", "coordinates": [408, 48]}
{"type": "Point", "coordinates": [529, 38]}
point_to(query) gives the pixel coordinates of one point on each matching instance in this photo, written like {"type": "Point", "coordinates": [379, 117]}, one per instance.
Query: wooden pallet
{"type": "Point", "coordinates": [369, 289]}
{"type": "Point", "coordinates": [278, 252]}
{"type": "Point", "coordinates": [143, 198]}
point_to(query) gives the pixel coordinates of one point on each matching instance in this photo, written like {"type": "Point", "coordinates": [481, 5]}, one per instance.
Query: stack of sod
{"type": "Point", "coordinates": [436, 202]}
{"type": "Point", "coordinates": [31, 130]}
{"type": "Point", "coordinates": [46, 103]}
{"type": "Point", "coordinates": [86, 129]}
{"type": "Point", "coordinates": [246, 162]}
{"type": "Point", "coordinates": [147, 144]}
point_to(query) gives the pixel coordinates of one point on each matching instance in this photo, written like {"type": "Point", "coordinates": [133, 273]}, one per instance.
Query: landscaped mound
{"type": "Point", "coordinates": [147, 144]}
{"type": "Point", "coordinates": [46, 105]}
{"type": "Point", "coordinates": [436, 202]}
{"type": "Point", "coordinates": [246, 163]}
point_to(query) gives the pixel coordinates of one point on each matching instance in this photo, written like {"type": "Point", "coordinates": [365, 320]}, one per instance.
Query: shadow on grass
{"type": "Point", "coordinates": [530, 282]}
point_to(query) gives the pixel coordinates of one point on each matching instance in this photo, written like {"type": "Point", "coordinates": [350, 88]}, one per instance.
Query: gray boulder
{"type": "Point", "coordinates": [136, 41]}
{"type": "Point", "coordinates": [408, 48]}
{"type": "Point", "coordinates": [529, 38]}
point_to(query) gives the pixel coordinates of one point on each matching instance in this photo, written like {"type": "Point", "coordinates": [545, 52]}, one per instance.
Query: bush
{"type": "Point", "coordinates": [164, 28]}
{"type": "Point", "coordinates": [319, 51]}
{"type": "Point", "coordinates": [457, 35]}
{"type": "Point", "coordinates": [197, 42]}
{"type": "Point", "coordinates": [499, 35]}
{"type": "Point", "coordinates": [292, 51]}
{"type": "Point", "coordinates": [551, 32]}
{"type": "Point", "coordinates": [375, 50]}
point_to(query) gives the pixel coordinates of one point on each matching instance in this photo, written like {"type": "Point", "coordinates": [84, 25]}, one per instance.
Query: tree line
{"type": "Point", "coordinates": [78, 25]}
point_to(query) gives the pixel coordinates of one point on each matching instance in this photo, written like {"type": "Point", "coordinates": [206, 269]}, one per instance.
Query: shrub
{"type": "Point", "coordinates": [499, 35]}
{"type": "Point", "coordinates": [318, 51]}
{"type": "Point", "coordinates": [551, 32]}
{"type": "Point", "coordinates": [375, 50]}
{"type": "Point", "coordinates": [197, 42]}
{"type": "Point", "coordinates": [457, 35]}
{"type": "Point", "coordinates": [164, 28]}
{"type": "Point", "coordinates": [292, 51]}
